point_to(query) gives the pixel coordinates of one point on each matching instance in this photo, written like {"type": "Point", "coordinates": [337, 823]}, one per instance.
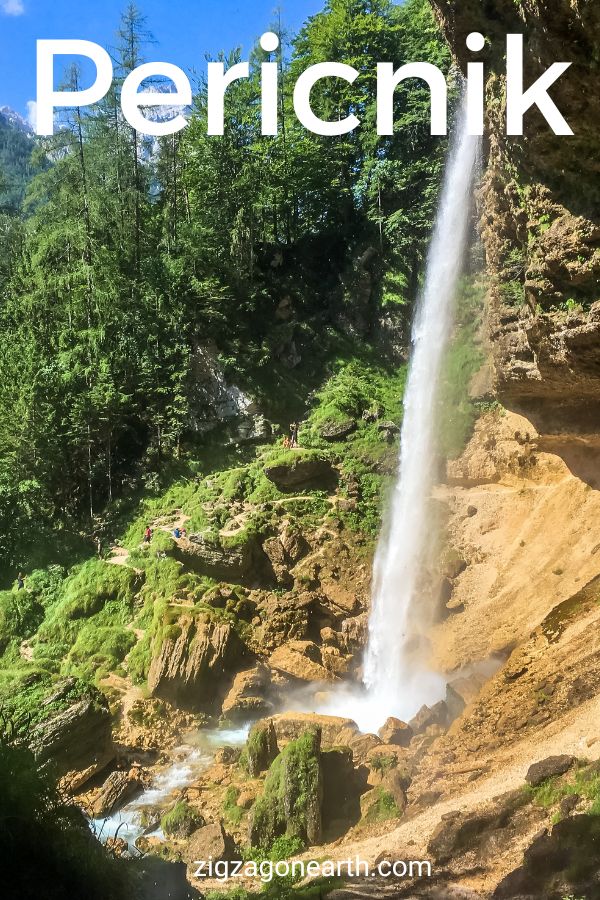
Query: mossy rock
{"type": "Point", "coordinates": [292, 798]}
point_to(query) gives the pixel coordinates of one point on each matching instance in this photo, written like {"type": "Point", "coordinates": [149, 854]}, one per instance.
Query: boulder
{"type": "Point", "coordinates": [302, 471]}
{"type": "Point", "coordinates": [395, 731]}
{"type": "Point", "coordinates": [117, 790]}
{"type": "Point", "coordinates": [292, 797]}
{"type": "Point", "coordinates": [301, 660]}
{"type": "Point", "coordinates": [208, 842]}
{"type": "Point", "coordinates": [548, 768]}
{"type": "Point", "coordinates": [293, 542]}
{"type": "Point", "coordinates": [261, 747]}
{"type": "Point", "coordinates": [328, 636]}
{"type": "Point", "coordinates": [461, 692]}
{"type": "Point", "coordinates": [291, 725]}
{"type": "Point", "coordinates": [378, 805]}
{"type": "Point", "coordinates": [192, 668]}
{"type": "Point", "coordinates": [338, 431]}
{"type": "Point", "coordinates": [246, 697]}
{"type": "Point", "coordinates": [76, 738]}
{"type": "Point", "coordinates": [428, 716]}
{"type": "Point", "coordinates": [361, 745]}
{"type": "Point", "coordinates": [237, 564]}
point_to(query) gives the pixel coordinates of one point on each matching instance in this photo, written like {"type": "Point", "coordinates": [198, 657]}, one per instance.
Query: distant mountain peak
{"type": "Point", "coordinates": [15, 120]}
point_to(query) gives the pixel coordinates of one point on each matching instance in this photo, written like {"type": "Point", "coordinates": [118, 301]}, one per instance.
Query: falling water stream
{"type": "Point", "coordinates": [396, 678]}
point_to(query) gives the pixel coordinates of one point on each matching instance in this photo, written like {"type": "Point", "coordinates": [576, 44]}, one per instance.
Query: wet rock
{"type": "Point", "coordinates": [395, 731]}
{"type": "Point", "coordinates": [548, 768]}
{"type": "Point", "coordinates": [261, 747]}
{"type": "Point", "coordinates": [116, 846]}
{"type": "Point", "coordinates": [303, 471]}
{"type": "Point", "coordinates": [301, 660]}
{"type": "Point", "coordinates": [292, 797]}
{"type": "Point", "coordinates": [246, 698]}
{"type": "Point", "coordinates": [362, 744]}
{"type": "Point", "coordinates": [329, 636]}
{"type": "Point", "coordinates": [338, 431]}
{"type": "Point", "coordinates": [78, 738]}
{"type": "Point", "coordinates": [192, 668]}
{"type": "Point", "coordinates": [388, 431]}
{"type": "Point", "coordinates": [118, 789]}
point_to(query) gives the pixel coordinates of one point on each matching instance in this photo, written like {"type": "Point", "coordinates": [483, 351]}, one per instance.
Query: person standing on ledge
{"type": "Point", "coordinates": [20, 582]}
{"type": "Point", "coordinates": [294, 434]}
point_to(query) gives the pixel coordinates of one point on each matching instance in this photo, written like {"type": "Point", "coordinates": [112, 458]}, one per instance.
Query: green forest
{"type": "Point", "coordinates": [123, 257]}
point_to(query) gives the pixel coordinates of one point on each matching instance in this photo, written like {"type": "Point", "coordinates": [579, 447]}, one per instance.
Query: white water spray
{"type": "Point", "coordinates": [396, 676]}
{"type": "Point", "coordinates": [396, 683]}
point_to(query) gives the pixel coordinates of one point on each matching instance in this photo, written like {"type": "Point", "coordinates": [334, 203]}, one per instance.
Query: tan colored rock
{"type": "Point", "coordinates": [290, 726]}
{"type": "Point", "coordinates": [192, 667]}
{"type": "Point", "coordinates": [246, 698]}
{"type": "Point", "coordinates": [208, 842]}
{"type": "Point", "coordinates": [329, 636]}
{"type": "Point", "coordinates": [117, 790]}
{"type": "Point", "coordinates": [335, 662]}
{"type": "Point", "coordinates": [361, 744]}
{"type": "Point", "coordinates": [395, 731]}
{"type": "Point", "coordinates": [301, 660]}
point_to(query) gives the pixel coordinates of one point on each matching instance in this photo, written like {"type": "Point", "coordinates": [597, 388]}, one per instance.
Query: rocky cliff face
{"type": "Point", "coordinates": [539, 204]}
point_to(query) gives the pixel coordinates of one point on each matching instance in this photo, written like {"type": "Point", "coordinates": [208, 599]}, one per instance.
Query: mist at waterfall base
{"type": "Point", "coordinates": [397, 680]}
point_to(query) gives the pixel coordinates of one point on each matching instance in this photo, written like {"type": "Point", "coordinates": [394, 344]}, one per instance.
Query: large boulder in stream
{"type": "Point", "coordinates": [118, 789]}
{"type": "Point", "coordinates": [75, 737]}
{"type": "Point", "coordinates": [195, 663]}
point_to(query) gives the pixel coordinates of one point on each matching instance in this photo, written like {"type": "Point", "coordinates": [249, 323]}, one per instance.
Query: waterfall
{"type": "Point", "coordinates": [396, 682]}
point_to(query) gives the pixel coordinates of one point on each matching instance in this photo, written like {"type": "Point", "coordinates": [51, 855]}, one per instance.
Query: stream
{"type": "Point", "coordinates": [192, 757]}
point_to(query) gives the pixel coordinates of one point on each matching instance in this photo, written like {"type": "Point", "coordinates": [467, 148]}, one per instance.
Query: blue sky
{"type": "Point", "coordinates": [184, 30]}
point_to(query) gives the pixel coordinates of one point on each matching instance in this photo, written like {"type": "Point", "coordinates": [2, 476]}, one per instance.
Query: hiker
{"type": "Point", "coordinates": [177, 533]}
{"type": "Point", "coordinates": [99, 547]}
{"type": "Point", "coordinates": [20, 582]}
{"type": "Point", "coordinates": [294, 434]}
{"type": "Point", "coordinates": [286, 443]}
{"type": "Point", "coordinates": [147, 535]}
{"type": "Point", "coordinates": [183, 532]}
